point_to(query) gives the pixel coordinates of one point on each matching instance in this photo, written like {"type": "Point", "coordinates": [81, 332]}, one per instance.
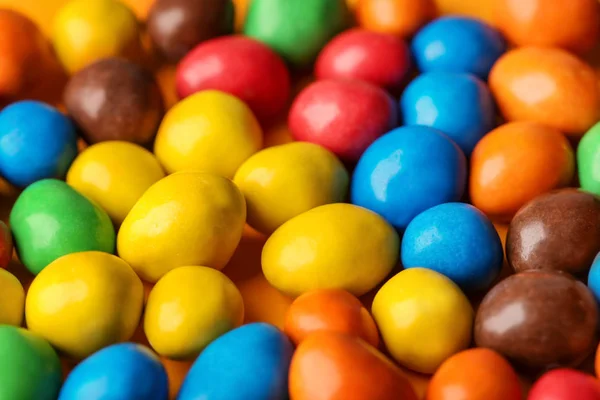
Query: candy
{"type": "Point", "coordinates": [284, 181]}
{"type": "Point", "coordinates": [342, 116]}
{"type": "Point", "coordinates": [464, 109]}
{"type": "Point", "coordinates": [210, 131]}
{"type": "Point", "coordinates": [565, 384]}
{"type": "Point", "coordinates": [6, 245]}
{"type": "Point", "coordinates": [515, 163]}
{"type": "Point", "coordinates": [126, 371]}
{"type": "Point", "coordinates": [188, 218]}
{"type": "Point", "coordinates": [594, 280]}
{"type": "Point", "coordinates": [397, 17]}
{"type": "Point", "coordinates": [398, 176]}
{"type": "Point", "coordinates": [588, 160]}
{"type": "Point", "coordinates": [538, 319]}
{"type": "Point", "coordinates": [456, 240]}
{"type": "Point", "coordinates": [188, 308]}
{"type": "Point", "coordinates": [326, 248]}
{"type": "Point", "coordinates": [558, 231]}
{"type": "Point", "coordinates": [12, 300]}
{"type": "Point", "coordinates": [50, 220]}
{"type": "Point", "coordinates": [114, 99]}
{"type": "Point", "coordinates": [36, 142]}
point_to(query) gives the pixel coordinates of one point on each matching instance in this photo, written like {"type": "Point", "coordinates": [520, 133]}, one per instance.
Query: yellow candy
{"type": "Point", "coordinates": [189, 218]}
{"type": "Point", "coordinates": [12, 299]}
{"type": "Point", "coordinates": [284, 181]}
{"type": "Point", "coordinates": [88, 30]}
{"type": "Point", "coordinates": [115, 175]}
{"type": "Point", "coordinates": [332, 246]}
{"type": "Point", "coordinates": [190, 307]}
{"type": "Point", "coordinates": [209, 131]}
{"type": "Point", "coordinates": [85, 301]}
{"type": "Point", "coordinates": [423, 318]}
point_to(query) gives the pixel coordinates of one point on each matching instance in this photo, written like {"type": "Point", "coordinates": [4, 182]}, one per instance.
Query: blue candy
{"type": "Point", "coordinates": [125, 371]}
{"type": "Point", "coordinates": [407, 171]}
{"type": "Point", "coordinates": [594, 278]}
{"type": "Point", "coordinates": [456, 240]}
{"type": "Point", "coordinates": [458, 44]}
{"type": "Point", "coordinates": [36, 142]}
{"type": "Point", "coordinates": [250, 363]}
{"type": "Point", "coordinates": [460, 105]}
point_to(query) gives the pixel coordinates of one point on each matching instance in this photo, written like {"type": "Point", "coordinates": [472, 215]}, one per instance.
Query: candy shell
{"type": "Point", "coordinates": [397, 17]}
{"type": "Point", "coordinates": [593, 281]}
{"type": "Point", "coordinates": [565, 384]}
{"type": "Point", "coordinates": [6, 245]}
{"type": "Point", "coordinates": [588, 160]}
{"type": "Point", "coordinates": [12, 299]}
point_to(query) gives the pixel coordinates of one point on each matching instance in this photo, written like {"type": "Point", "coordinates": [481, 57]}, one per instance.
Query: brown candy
{"type": "Point", "coordinates": [539, 320]}
{"type": "Point", "coordinates": [115, 99]}
{"type": "Point", "coordinates": [177, 26]}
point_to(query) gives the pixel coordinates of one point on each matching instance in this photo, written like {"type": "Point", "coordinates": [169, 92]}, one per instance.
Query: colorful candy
{"type": "Point", "coordinates": [565, 384]}
{"type": "Point", "coordinates": [6, 245]}
{"type": "Point", "coordinates": [588, 160]}
{"type": "Point", "coordinates": [593, 281]}
{"type": "Point", "coordinates": [12, 299]}
{"type": "Point", "coordinates": [397, 17]}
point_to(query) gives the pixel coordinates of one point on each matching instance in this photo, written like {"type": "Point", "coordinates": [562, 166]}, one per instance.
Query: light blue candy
{"type": "Point", "coordinates": [594, 278]}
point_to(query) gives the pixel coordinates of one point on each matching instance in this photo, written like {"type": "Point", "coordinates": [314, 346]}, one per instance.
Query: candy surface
{"type": "Point", "coordinates": [588, 160]}
{"type": "Point", "coordinates": [6, 245]}
{"type": "Point", "coordinates": [12, 299]}
{"type": "Point", "coordinates": [565, 384]}
{"type": "Point", "coordinates": [397, 17]}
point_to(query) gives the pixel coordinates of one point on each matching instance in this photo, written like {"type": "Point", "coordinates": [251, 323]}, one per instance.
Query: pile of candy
{"type": "Point", "coordinates": [304, 199]}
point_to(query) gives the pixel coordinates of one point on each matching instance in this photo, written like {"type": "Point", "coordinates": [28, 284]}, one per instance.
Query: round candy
{"type": "Point", "coordinates": [250, 363]}
{"type": "Point", "coordinates": [36, 142]}
{"type": "Point", "coordinates": [456, 240]}
{"type": "Point", "coordinates": [6, 245]}
{"type": "Point", "coordinates": [177, 26]}
{"type": "Point", "coordinates": [328, 248]}
{"type": "Point", "coordinates": [440, 323]}
{"type": "Point", "coordinates": [120, 371]}
{"type": "Point", "coordinates": [115, 99]}
{"type": "Point", "coordinates": [397, 17]}
{"type": "Point", "coordinates": [565, 384]}
{"type": "Point", "coordinates": [85, 301]}
{"type": "Point", "coordinates": [464, 109]}
{"type": "Point", "coordinates": [331, 365]}
{"type": "Point", "coordinates": [115, 175]}
{"type": "Point", "coordinates": [50, 220]}
{"type": "Point", "coordinates": [332, 310]}
{"type": "Point", "coordinates": [209, 131]}
{"type": "Point", "coordinates": [188, 218]}
{"type": "Point", "coordinates": [284, 181]}
{"type": "Point", "coordinates": [377, 58]}
{"type": "Point", "coordinates": [588, 160]}
{"type": "Point", "coordinates": [12, 299]}
{"type": "Point", "coordinates": [343, 116]}
{"type": "Point", "coordinates": [408, 171]}
{"type": "Point", "coordinates": [475, 374]}
{"type": "Point", "coordinates": [458, 44]}
{"type": "Point", "coordinates": [188, 308]}
{"type": "Point", "coordinates": [531, 305]}
{"type": "Point", "coordinates": [29, 367]}
{"type": "Point", "coordinates": [241, 66]}
{"type": "Point", "coordinates": [558, 231]}
{"type": "Point", "coordinates": [594, 281]}
{"type": "Point", "coordinates": [515, 163]}
{"type": "Point", "coordinates": [532, 84]}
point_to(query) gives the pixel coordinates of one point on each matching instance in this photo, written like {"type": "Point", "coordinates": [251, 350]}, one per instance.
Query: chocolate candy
{"type": "Point", "coordinates": [538, 319]}
{"type": "Point", "coordinates": [559, 231]}
{"type": "Point", "coordinates": [177, 26]}
{"type": "Point", "coordinates": [114, 99]}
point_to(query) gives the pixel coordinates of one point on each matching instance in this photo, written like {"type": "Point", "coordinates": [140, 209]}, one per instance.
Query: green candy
{"type": "Point", "coordinates": [588, 160]}
{"type": "Point", "coordinates": [50, 219]}
{"type": "Point", "coordinates": [29, 366]}
{"type": "Point", "coordinates": [296, 29]}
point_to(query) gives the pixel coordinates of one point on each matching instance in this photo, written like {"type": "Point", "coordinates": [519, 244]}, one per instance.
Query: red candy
{"type": "Point", "coordinates": [565, 384]}
{"type": "Point", "coordinates": [343, 116]}
{"type": "Point", "coordinates": [238, 65]}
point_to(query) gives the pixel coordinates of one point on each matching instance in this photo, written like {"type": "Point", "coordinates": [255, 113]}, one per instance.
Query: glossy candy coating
{"type": "Point", "coordinates": [593, 281]}
{"type": "Point", "coordinates": [397, 178]}
{"type": "Point", "coordinates": [121, 371]}
{"type": "Point", "coordinates": [464, 110]}
{"type": "Point", "coordinates": [588, 160]}
{"type": "Point", "coordinates": [36, 142]}
{"type": "Point", "coordinates": [521, 309]}
{"type": "Point", "coordinates": [440, 323]}
{"type": "Point", "coordinates": [565, 384]}
{"type": "Point", "coordinates": [515, 163]}
{"type": "Point", "coordinates": [326, 248]}
{"type": "Point", "coordinates": [397, 17]}
{"type": "Point", "coordinates": [341, 115]}
{"type": "Point", "coordinates": [12, 299]}
{"type": "Point", "coordinates": [6, 245]}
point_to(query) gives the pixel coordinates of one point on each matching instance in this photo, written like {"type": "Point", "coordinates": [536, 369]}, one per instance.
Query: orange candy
{"type": "Point", "coordinates": [475, 374]}
{"type": "Point", "coordinates": [515, 163]}
{"type": "Point", "coordinates": [329, 310]}
{"type": "Point", "coordinates": [335, 366]}
{"type": "Point", "coordinates": [597, 362]}
{"type": "Point", "coordinates": [397, 17]}
{"type": "Point", "coordinates": [546, 85]}
{"type": "Point", "coordinates": [570, 24]}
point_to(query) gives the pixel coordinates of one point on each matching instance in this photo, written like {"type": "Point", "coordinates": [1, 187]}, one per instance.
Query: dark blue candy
{"type": "Point", "coordinates": [594, 278]}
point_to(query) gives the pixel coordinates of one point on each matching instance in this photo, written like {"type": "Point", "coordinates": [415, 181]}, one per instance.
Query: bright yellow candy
{"type": "Point", "coordinates": [284, 181]}
{"type": "Point", "coordinates": [114, 174]}
{"type": "Point", "coordinates": [190, 307]}
{"type": "Point", "coordinates": [12, 299]}
{"type": "Point", "coordinates": [85, 301]}
{"type": "Point", "coordinates": [423, 318]}
{"type": "Point", "coordinates": [339, 246]}
{"type": "Point", "coordinates": [209, 131]}
{"type": "Point", "coordinates": [88, 30]}
{"type": "Point", "coordinates": [188, 218]}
